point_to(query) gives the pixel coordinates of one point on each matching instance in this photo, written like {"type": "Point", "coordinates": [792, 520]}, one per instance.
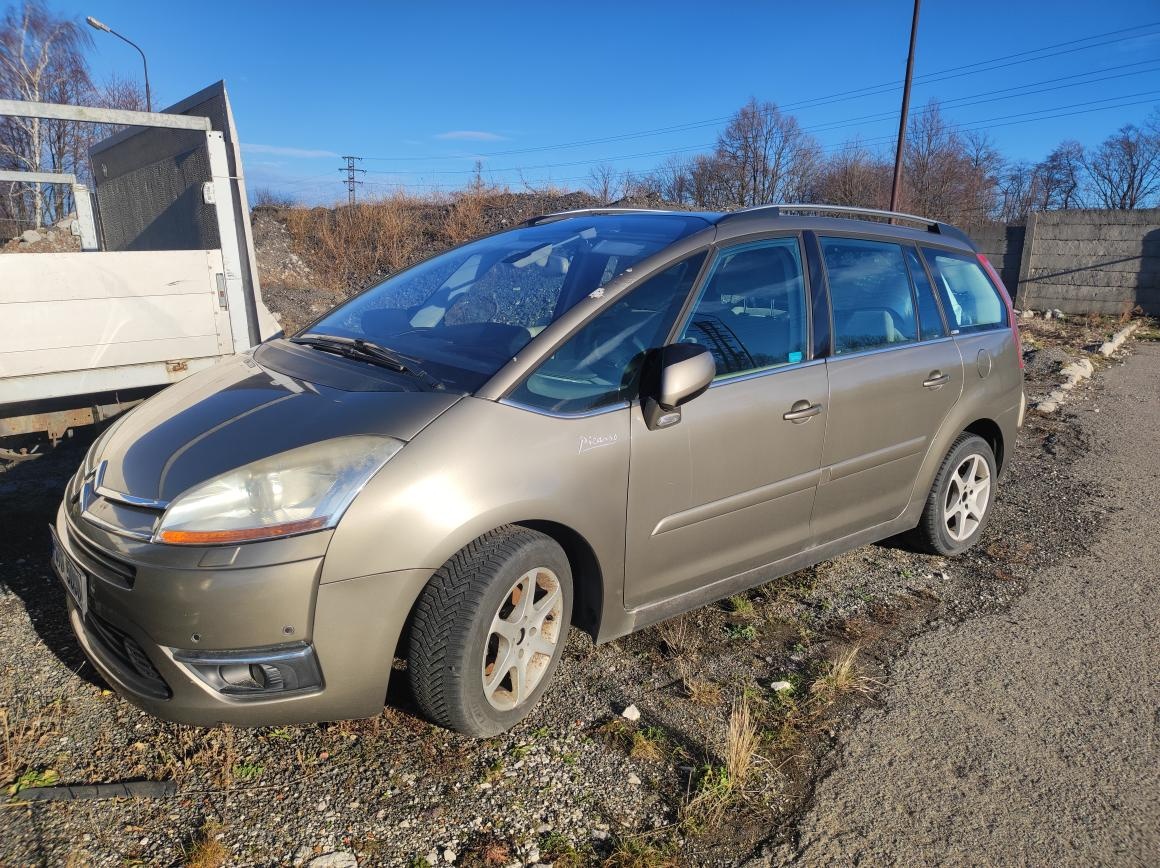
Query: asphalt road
{"type": "Point", "coordinates": [1030, 737]}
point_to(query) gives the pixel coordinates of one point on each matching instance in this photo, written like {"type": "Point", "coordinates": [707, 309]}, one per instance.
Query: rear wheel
{"type": "Point", "coordinates": [959, 504]}
{"type": "Point", "coordinates": [488, 631]}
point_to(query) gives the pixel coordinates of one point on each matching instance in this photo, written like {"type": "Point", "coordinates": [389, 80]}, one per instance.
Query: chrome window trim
{"type": "Point", "coordinates": [890, 348]}
{"type": "Point", "coordinates": [540, 411]}
{"type": "Point", "coordinates": [764, 372]}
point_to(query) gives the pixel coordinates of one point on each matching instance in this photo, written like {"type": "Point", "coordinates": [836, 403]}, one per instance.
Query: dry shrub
{"type": "Point", "coordinates": [350, 246]}
{"type": "Point", "coordinates": [465, 216]}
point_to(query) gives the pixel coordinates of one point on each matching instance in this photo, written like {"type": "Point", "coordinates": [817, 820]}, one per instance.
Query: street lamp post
{"type": "Point", "coordinates": [98, 25]}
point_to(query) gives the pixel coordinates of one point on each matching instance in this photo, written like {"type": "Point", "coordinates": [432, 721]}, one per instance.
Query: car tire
{"type": "Point", "coordinates": [961, 499]}
{"type": "Point", "coordinates": [474, 618]}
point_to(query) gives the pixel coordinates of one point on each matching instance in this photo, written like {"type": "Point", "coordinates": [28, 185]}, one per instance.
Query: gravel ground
{"type": "Point", "coordinates": [1030, 736]}
{"type": "Point", "coordinates": [576, 783]}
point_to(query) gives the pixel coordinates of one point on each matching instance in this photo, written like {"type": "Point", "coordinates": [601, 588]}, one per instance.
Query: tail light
{"type": "Point", "coordinates": [998, 281]}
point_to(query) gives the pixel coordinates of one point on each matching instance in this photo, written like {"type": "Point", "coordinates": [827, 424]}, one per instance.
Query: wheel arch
{"type": "Point", "coordinates": [587, 576]}
{"type": "Point", "coordinates": [990, 431]}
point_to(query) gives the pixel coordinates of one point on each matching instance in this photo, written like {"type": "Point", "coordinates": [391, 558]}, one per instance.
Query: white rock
{"type": "Point", "coordinates": [1027, 314]}
{"type": "Point", "coordinates": [533, 854]}
{"type": "Point", "coordinates": [1056, 313]}
{"type": "Point", "coordinates": [633, 779]}
{"type": "Point", "coordinates": [781, 686]}
{"type": "Point", "coordinates": [449, 855]}
{"type": "Point", "coordinates": [631, 713]}
{"type": "Point", "coordinates": [338, 859]}
{"type": "Point", "coordinates": [432, 857]}
{"type": "Point", "coordinates": [31, 236]}
{"type": "Point", "coordinates": [301, 855]}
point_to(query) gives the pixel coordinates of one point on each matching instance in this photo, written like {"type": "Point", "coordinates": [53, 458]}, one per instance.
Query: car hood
{"type": "Point", "coordinates": [241, 410]}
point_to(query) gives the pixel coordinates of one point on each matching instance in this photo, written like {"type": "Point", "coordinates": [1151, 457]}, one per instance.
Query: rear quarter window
{"type": "Point", "coordinates": [970, 301]}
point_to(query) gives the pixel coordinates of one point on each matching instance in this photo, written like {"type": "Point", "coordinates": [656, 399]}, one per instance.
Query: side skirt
{"type": "Point", "coordinates": [645, 616]}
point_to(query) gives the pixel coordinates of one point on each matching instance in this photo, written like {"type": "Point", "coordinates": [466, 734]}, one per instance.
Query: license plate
{"type": "Point", "coordinates": [76, 581]}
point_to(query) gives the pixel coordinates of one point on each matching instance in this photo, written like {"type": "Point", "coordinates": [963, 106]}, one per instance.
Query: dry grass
{"type": "Point", "coordinates": [350, 246]}
{"type": "Point", "coordinates": [207, 851]}
{"type": "Point", "coordinates": [640, 853]}
{"type": "Point", "coordinates": [678, 637]}
{"type": "Point", "coordinates": [465, 217]}
{"type": "Point", "coordinates": [22, 731]}
{"type": "Point", "coordinates": [699, 690]}
{"type": "Point", "coordinates": [740, 743]}
{"type": "Point", "coordinates": [841, 677]}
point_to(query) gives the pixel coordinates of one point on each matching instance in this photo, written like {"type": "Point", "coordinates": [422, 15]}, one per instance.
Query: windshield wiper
{"type": "Point", "coordinates": [367, 351]}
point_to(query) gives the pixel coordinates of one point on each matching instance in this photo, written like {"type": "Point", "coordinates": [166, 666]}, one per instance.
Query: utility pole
{"type": "Point", "coordinates": [351, 177]}
{"type": "Point", "coordinates": [896, 187]}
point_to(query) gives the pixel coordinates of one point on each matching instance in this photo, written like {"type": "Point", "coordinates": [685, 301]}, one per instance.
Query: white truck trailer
{"type": "Point", "coordinates": [165, 283]}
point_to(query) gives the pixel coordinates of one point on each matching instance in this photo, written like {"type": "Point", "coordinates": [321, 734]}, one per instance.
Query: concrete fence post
{"type": "Point", "coordinates": [1023, 289]}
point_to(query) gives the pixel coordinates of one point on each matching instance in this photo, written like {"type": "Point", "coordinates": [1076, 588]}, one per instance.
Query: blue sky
{"type": "Point", "coordinates": [424, 89]}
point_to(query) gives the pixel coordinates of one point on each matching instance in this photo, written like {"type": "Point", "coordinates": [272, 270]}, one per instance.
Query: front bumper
{"type": "Point", "coordinates": [150, 607]}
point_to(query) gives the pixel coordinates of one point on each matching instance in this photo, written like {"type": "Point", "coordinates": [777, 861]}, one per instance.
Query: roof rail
{"type": "Point", "coordinates": [575, 212]}
{"type": "Point", "coordinates": [930, 224]}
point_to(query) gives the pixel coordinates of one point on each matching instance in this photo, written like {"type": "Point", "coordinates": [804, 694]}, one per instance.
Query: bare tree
{"type": "Point", "coordinates": [948, 175]}
{"type": "Point", "coordinates": [1058, 179]}
{"type": "Point", "coordinates": [1016, 192]}
{"type": "Point", "coordinates": [1125, 170]}
{"type": "Point", "coordinates": [41, 60]}
{"type": "Point", "coordinates": [766, 155]}
{"type": "Point", "coordinates": [852, 175]}
{"type": "Point", "coordinates": [606, 183]}
{"type": "Point", "coordinates": [672, 180]}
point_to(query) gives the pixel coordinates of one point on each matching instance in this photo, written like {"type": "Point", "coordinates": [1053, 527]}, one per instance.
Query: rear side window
{"type": "Point", "coordinates": [929, 319]}
{"type": "Point", "coordinates": [970, 300]}
{"type": "Point", "coordinates": [751, 314]}
{"type": "Point", "coordinates": [600, 364]}
{"type": "Point", "coordinates": [870, 294]}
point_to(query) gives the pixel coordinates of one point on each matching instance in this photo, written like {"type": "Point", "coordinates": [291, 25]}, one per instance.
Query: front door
{"type": "Point", "coordinates": [732, 485]}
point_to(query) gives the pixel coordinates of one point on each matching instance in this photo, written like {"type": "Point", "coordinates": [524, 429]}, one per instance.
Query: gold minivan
{"type": "Point", "coordinates": [599, 419]}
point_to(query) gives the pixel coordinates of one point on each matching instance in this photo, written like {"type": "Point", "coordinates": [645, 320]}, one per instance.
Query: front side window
{"type": "Point", "coordinates": [870, 294]}
{"type": "Point", "coordinates": [971, 301]}
{"type": "Point", "coordinates": [751, 314]}
{"type": "Point", "coordinates": [463, 314]}
{"type": "Point", "coordinates": [600, 364]}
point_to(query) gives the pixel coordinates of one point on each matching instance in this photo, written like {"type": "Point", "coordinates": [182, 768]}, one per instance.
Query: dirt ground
{"type": "Point", "coordinates": [577, 783]}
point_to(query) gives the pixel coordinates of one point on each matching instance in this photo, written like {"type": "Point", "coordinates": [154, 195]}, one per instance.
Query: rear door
{"type": "Point", "coordinates": [894, 375]}
{"type": "Point", "coordinates": [731, 487]}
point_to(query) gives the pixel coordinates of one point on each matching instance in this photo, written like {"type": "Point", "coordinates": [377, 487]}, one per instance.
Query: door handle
{"type": "Point", "coordinates": [802, 411]}
{"type": "Point", "coordinates": [936, 379]}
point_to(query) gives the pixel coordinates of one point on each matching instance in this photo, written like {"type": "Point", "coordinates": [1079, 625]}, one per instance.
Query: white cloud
{"type": "Point", "coordinates": [472, 136]}
{"type": "Point", "coordinates": [278, 150]}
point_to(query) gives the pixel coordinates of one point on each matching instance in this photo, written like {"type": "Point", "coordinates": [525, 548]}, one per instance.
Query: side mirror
{"type": "Point", "coordinates": [683, 371]}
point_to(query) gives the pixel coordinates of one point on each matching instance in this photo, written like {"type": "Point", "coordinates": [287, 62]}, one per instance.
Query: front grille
{"type": "Point", "coordinates": [102, 563]}
{"type": "Point", "coordinates": [129, 657]}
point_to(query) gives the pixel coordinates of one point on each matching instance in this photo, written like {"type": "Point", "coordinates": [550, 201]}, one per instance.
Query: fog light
{"type": "Point", "coordinates": [257, 671]}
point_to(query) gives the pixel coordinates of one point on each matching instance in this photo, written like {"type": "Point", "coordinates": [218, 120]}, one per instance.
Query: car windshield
{"type": "Point", "coordinates": [462, 315]}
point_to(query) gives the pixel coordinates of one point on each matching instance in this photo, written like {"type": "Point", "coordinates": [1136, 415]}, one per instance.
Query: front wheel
{"type": "Point", "coordinates": [959, 504]}
{"type": "Point", "coordinates": [488, 631]}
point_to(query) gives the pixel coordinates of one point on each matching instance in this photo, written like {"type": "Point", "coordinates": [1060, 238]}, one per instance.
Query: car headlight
{"type": "Point", "coordinates": [292, 492]}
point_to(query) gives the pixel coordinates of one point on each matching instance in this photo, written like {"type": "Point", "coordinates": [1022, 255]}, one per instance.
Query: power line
{"type": "Point", "coordinates": [841, 96]}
